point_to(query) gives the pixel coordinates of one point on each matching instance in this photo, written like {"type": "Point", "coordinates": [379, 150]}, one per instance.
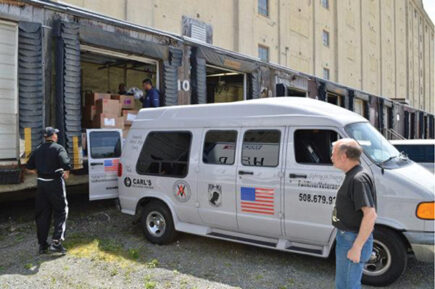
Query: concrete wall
{"type": "Point", "coordinates": [370, 26]}
{"type": "Point", "coordinates": [382, 47]}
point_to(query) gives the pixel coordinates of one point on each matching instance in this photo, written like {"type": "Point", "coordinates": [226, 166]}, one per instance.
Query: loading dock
{"type": "Point", "coordinates": [225, 85]}
{"type": "Point", "coordinates": [103, 70]}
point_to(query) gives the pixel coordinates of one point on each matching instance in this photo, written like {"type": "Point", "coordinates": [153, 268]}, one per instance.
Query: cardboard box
{"type": "Point", "coordinates": [108, 106]}
{"type": "Point", "coordinates": [127, 101]}
{"type": "Point", "coordinates": [91, 98]}
{"type": "Point", "coordinates": [129, 116]}
{"type": "Point", "coordinates": [105, 120]}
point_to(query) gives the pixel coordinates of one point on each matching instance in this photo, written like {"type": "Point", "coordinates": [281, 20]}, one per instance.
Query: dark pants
{"type": "Point", "coordinates": [51, 199]}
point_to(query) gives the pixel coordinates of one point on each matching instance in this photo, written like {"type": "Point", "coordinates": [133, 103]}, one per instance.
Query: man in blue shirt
{"type": "Point", "coordinates": [152, 96]}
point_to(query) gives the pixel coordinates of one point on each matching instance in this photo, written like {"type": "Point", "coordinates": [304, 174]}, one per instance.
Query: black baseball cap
{"type": "Point", "coordinates": [49, 131]}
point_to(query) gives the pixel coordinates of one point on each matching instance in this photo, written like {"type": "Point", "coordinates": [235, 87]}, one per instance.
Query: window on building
{"type": "Point", "coordinates": [263, 53]}
{"type": "Point", "coordinates": [263, 7]}
{"type": "Point", "coordinates": [314, 146]}
{"type": "Point", "coordinates": [325, 73]}
{"type": "Point", "coordinates": [261, 148]}
{"type": "Point", "coordinates": [325, 4]}
{"type": "Point", "coordinates": [325, 38]}
{"type": "Point", "coordinates": [165, 154]}
{"type": "Point", "coordinates": [105, 144]}
{"type": "Point", "coordinates": [219, 147]}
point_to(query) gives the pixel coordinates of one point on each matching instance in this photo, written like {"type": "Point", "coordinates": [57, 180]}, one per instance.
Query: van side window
{"type": "Point", "coordinates": [165, 154]}
{"type": "Point", "coordinates": [105, 144]}
{"type": "Point", "coordinates": [219, 147]}
{"type": "Point", "coordinates": [261, 148]}
{"type": "Point", "coordinates": [418, 153]}
{"type": "Point", "coordinates": [314, 146]}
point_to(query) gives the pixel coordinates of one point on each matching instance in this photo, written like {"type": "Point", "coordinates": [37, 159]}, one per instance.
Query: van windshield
{"type": "Point", "coordinates": [375, 146]}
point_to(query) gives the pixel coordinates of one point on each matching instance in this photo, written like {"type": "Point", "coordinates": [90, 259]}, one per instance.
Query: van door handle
{"type": "Point", "coordinates": [295, 176]}
{"type": "Point", "coordinates": [96, 164]}
{"type": "Point", "coordinates": [245, 173]}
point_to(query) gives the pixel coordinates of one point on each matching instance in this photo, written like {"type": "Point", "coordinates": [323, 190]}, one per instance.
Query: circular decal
{"type": "Point", "coordinates": [215, 195]}
{"type": "Point", "coordinates": [127, 182]}
{"type": "Point", "coordinates": [181, 191]}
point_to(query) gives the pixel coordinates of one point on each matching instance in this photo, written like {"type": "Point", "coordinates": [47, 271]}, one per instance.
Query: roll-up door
{"type": "Point", "coordinates": [381, 115]}
{"type": "Point", "coordinates": [30, 81]}
{"type": "Point", "coordinates": [8, 91]}
{"type": "Point", "coordinates": [199, 79]}
{"type": "Point", "coordinates": [68, 91]}
{"type": "Point", "coordinates": [254, 85]}
{"type": "Point", "coordinates": [170, 76]}
{"type": "Point", "coordinates": [406, 124]}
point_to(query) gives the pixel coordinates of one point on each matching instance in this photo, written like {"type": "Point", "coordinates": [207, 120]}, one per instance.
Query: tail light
{"type": "Point", "coordinates": [119, 170]}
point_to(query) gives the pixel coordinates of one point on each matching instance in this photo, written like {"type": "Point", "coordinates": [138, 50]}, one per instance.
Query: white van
{"type": "Point", "coordinates": [259, 172]}
{"type": "Point", "coordinates": [420, 151]}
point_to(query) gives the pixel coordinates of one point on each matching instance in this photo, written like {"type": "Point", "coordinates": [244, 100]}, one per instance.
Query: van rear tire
{"type": "Point", "coordinates": [388, 260]}
{"type": "Point", "coordinates": [157, 223]}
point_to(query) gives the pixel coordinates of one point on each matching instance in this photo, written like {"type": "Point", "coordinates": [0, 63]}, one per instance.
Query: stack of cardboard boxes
{"type": "Point", "coordinates": [103, 110]}
{"type": "Point", "coordinates": [127, 110]}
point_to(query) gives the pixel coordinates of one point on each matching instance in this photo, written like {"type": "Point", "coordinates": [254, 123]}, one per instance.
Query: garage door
{"type": "Point", "coordinates": [8, 90]}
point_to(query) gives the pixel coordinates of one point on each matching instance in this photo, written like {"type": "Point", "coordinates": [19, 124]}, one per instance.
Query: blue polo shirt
{"type": "Point", "coordinates": [152, 98]}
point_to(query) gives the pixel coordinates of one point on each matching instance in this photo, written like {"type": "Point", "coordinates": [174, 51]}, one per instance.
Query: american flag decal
{"type": "Point", "coordinates": [258, 200]}
{"type": "Point", "coordinates": [111, 165]}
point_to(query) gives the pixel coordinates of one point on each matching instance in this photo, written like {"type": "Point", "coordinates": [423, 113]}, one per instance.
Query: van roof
{"type": "Point", "coordinates": [270, 110]}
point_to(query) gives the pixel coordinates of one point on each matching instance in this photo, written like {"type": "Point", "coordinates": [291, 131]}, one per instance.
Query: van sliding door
{"type": "Point", "coordinates": [259, 176]}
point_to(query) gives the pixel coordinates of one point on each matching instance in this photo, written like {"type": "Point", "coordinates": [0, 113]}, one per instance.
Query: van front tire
{"type": "Point", "coordinates": [388, 260]}
{"type": "Point", "coordinates": [157, 223]}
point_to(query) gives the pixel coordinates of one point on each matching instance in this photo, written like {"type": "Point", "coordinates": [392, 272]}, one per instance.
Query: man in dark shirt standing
{"type": "Point", "coordinates": [152, 96]}
{"type": "Point", "coordinates": [52, 164]}
{"type": "Point", "coordinates": [354, 215]}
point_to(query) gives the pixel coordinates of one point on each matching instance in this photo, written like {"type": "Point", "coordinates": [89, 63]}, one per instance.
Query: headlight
{"type": "Point", "coordinates": [426, 211]}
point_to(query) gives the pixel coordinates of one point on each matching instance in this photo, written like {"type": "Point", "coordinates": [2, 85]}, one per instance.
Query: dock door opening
{"type": "Point", "coordinates": [104, 70]}
{"type": "Point", "coordinates": [224, 85]}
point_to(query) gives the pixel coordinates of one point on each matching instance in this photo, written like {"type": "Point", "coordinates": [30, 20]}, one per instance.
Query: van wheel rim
{"type": "Point", "coordinates": [156, 224]}
{"type": "Point", "coordinates": [380, 260]}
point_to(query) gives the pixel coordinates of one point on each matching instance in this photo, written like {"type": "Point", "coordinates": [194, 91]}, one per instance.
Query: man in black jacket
{"type": "Point", "coordinates": [52, 164]}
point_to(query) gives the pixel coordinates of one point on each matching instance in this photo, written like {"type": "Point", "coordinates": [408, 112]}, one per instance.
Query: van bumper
{"type": "Point", "coordinates": [422, 244]}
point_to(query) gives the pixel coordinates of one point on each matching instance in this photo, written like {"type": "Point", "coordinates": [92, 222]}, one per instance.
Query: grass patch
{"type": "Point", "coordinates": [114, 272]}
{"type": "Point", "coordinates": [152, 264]}
{"type": "Point", "coordinates": [133, 254]}
{"type": "Point", "coordinates": [148, 283]}
{"type": "Point", "coordinates": [28, 266]}
{"type": "Point", "coordinates": [19, 238]}
{"type": "Point", "coordinates": [100, 249]}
